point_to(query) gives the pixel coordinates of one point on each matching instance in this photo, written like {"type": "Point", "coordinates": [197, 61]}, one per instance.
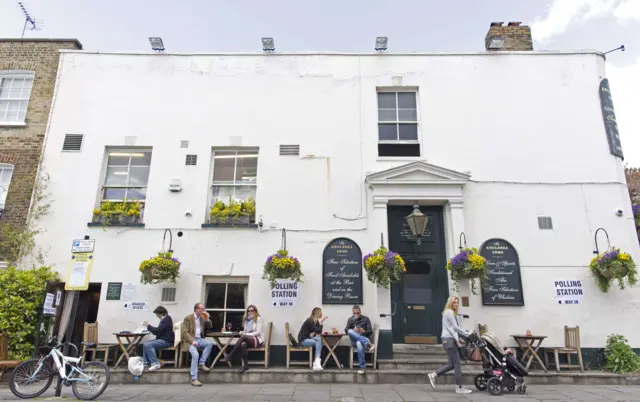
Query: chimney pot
{"type": "Point", "coordinates": [497, 24]}
{"type": "Point", "coordinates": [515, 24]}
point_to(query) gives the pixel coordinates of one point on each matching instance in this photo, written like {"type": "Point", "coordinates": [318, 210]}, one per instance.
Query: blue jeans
{"type": "Point", "coordinates": [315, 342]}
{"type": "Point", "coordinates": [196, 360]}
{"type": "Point", "coordinates": [360, 342]}
{"type": "Point", "coordinates": [149, 350]}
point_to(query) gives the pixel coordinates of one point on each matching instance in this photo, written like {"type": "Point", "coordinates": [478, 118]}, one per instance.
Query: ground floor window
{"type": "Point", "coordinates": [225, 299]}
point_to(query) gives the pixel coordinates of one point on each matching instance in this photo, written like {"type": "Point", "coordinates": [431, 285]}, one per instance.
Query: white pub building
{"type": "Point", "coordinates": [507, 146]}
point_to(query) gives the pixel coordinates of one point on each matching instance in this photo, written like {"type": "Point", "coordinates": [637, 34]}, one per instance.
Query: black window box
{"type": "Point", "coordinates": [229, 225]}
{"type": "Point", "coordinates": [115, 225]}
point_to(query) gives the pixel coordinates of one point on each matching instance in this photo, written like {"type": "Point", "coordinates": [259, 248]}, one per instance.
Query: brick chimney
{"type": "Point", "coordinates": [513, 37]}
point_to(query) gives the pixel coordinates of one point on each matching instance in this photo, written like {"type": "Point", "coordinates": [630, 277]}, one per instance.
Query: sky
{"type": "Point", "coordinates": [351, 26]}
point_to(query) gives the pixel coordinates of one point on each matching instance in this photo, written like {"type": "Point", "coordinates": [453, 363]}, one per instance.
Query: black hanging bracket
{"type": "Point", "coordinates": [462, 237]}
{"type": "Point", "coordinates": [164, 239]}
{"type": "Point", "coordinates": [595, 239]}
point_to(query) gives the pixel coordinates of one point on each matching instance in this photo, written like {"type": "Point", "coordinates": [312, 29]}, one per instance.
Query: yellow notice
{"type": "Point", "coordinates": [79, 271]}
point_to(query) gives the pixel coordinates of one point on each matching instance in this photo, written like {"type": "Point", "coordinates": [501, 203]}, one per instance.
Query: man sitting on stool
{"type": "Point", "coordinates": [359, 331]}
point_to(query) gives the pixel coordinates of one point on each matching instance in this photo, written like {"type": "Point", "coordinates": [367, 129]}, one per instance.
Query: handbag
{"type": "Point", "coordinates": [475, 355]}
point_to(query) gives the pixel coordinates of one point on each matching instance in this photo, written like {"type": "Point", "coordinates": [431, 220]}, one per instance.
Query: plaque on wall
{"type": "Point", "coordinates": [609, 117]}
{"type": "Point", "coordinates": [504, 287]}
{"type": "Point", "coordinates": [342, 272]}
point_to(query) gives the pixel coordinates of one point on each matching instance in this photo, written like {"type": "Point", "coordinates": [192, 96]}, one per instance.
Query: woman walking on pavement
{"type": "Point", "coordinates": [450, 342]}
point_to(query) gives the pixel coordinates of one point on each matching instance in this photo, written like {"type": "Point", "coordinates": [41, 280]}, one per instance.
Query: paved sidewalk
{"type": "Point", "coordinates": [343, 393]}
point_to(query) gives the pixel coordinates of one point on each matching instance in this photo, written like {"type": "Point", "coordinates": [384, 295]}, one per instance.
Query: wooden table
{"type": "Point", "coordinates": [222, 345]}
{"type": "Point", "coordinates": [529, 345]}
{"type": "Point", "coordinates": [132, 340]}
{"type": "Point", "coordinates": [331, 341]}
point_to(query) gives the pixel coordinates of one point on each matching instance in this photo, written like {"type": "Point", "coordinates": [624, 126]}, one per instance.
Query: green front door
{"type": "Point", "coordinates": [420, 295]}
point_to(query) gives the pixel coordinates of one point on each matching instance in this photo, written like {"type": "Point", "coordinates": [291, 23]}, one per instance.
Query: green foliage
{"type": "Point", "coordinates": [163, 268]}
{"type": "Point", "coordinates": [282, 266]}
{"type": "Point", "coordinates": [620, 358]}
{"type": "Point", "coordinates": [17, 243]}
{"type": "Point", "coordinates": [22, 293]}
{"type": "Point", "coordinates": [233, 210]}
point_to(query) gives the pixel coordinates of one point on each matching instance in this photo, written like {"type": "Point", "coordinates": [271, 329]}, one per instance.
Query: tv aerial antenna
{"type": "Point", "coordinates": [29, 22]}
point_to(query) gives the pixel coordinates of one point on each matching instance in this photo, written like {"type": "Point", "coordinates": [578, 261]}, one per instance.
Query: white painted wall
{"type": "Point", "coordinates": [527, 126]}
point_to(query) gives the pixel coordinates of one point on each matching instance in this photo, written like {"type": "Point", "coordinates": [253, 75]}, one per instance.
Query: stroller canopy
{"type": "Point", "coordinates": [493, 341]}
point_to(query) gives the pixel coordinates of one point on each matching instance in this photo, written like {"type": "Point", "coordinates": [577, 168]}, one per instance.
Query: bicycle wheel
{"type": "Point", "coordinates": [22, 378]}
{"type": "Point", "coordinates": [99, 381]}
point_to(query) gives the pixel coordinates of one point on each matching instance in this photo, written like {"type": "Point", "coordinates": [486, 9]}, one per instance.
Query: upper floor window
{"type": "Point", "coordinates": [125, 187]}
{"type": "Point", "coordinates": [398, 124]}
{"type": "Point", "coordinates": [6, 171]}
{"type": "Point", "coordinates": [15, 90]}
{"type": "Point", "coordinates": [235, 173]}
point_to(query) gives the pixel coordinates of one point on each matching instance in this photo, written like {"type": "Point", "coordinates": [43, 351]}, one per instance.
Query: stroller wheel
{"type": "Point", "coordinates": [522, 389]}
{"type": "Point", "coordinates": [495, 386]}
{"type": "Point", "coordinates": [511, 388]}
{"type": "Point", "coordinates": [480, 382]}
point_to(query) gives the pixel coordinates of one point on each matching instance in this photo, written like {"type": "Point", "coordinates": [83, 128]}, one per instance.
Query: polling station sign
{"type": "Point", "coordinates": [285, 294]}
{"type": "Point", "coordinates": [568, 291]}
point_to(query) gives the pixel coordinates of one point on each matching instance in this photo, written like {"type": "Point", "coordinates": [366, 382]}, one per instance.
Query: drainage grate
{"type": "Point", "coordinates": [72, 142]}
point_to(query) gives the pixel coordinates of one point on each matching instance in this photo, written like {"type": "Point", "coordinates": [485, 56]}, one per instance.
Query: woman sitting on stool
{"type": "Point", "coordinates": [251, 337]}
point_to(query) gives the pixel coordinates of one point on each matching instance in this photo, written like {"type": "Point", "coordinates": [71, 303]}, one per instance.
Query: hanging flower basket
{"type": "Point", "coordinates": [282, 266]}
{"type": "Point", "coordinates": [611, 265]}
{"type": "Point", "coordinates": [163, 268]}
{"type": "Point", "coordinates": [468, 264]}
{"type": "Point", "coordinates": [384, 267]}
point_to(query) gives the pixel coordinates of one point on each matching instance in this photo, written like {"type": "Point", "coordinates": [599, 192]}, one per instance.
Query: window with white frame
{"type": "Point", "coordinates": [127, 175]}
{"type": "Point", "coordinates": [398, 124]}
{"type": "Point", "coordinates": [15, 90]}
{"type": "Point", "coordinates": [225, 300]}
{"type": "Point", "coordinates": [235, 173]}
{"type": "Point", "coordinates": [6, 171]}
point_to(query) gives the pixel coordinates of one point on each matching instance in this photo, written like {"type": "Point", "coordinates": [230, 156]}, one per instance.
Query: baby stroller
{"type": "Point", "coordinates": [501, 368]}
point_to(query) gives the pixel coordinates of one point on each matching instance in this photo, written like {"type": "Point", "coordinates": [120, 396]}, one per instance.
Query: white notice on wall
{"type": "Point", "coordinates": [136, 306]}
{"type": "Point", "coordinates": [48, 308]}
{"type": "Point", "coordinates": [128, 291]}
{"type": "Point", "coordinates": [285, 293]}
{"type": "Point", "coordinates": [568, 291]}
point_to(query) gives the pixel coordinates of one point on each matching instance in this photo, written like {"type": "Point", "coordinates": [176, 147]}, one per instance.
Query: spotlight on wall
{"type": "Point", "coordinates": [156, 44]}
{"type": "Point", "coordinates": [268, 45]}
{"type": "Point", "coordinates": [381, 43]}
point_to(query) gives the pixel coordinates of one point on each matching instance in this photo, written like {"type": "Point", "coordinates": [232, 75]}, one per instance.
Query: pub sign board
{"type": "Point", "coordinates": [504, 284]}
{"type": "Point", "coordinates": [342, 272]}
{"type": "Point", "coordinates": [609, 117]}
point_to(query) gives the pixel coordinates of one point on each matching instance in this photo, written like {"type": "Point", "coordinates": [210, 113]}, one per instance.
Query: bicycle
{"type": "Point", "coordinates": [35, 371]}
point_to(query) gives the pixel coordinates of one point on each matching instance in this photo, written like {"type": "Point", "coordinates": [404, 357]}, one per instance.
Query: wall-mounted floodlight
{"type": "Point", "coordinates": [156, 44]}
{"type": "Point", "coordinates": [268, 45]}
{"type": "Point", "coordinates": [381, 43]}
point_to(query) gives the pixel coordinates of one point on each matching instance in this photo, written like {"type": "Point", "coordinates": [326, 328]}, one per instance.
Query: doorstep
{"type": "Point", "coordinates": [335, 376]}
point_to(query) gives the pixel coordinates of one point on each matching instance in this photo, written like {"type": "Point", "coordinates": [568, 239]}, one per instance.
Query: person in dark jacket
{"type": "Point", "coordinates": [164, 338]}
{"type": "Point", "coordinates": [309, 335]}
{"type": "Point", "coordinates": [359, 331]}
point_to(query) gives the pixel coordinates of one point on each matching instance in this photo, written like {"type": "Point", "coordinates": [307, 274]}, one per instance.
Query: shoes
{"type": "Point", "coordinates": [461, 390]}
{"type": "Point", "coordinates": [432, 380]}
{"type": "Point", "coordinates": [371, 347]}
{"type": "Point", "coordinates": [204, 368]}
{"type": "Point", "coordinates": [154, 367]}
{"type": "Point", "coordinates": [361, 371]}
{"type": "Point", "coordinates": [243, 369]}
{"type": "Point", "coordinates": [317, 365]}
{"type": "Point", "coordinates": [196, 383]}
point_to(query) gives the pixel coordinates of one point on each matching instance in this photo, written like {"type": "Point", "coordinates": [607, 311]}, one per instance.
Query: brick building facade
{"type": "Point", "coordinates": [28, 70]}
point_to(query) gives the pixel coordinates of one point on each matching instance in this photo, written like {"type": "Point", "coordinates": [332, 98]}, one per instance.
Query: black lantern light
{"type": "Point", "coordinates": [417, 222]}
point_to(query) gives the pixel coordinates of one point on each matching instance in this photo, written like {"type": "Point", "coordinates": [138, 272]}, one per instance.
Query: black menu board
{"type": "Point", "coordinates": [504, 287]}
{"type": "Point", "coordinates": [609, 117]}
{"type": "Point", "coordinates": [342, 272]}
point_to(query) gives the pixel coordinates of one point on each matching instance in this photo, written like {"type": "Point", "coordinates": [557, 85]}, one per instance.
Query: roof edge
{"type": "Point", "coordinates": [76, 41]}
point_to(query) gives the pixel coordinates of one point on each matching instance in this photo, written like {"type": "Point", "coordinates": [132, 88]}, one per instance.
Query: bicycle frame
{"type": "Point", "coordinates": [61, 362]}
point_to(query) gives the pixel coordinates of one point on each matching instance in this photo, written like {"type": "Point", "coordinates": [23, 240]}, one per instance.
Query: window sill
{"type": "Point", "coordinates": [229, 226]}
{"type": "Point", "coordinates": [116, 225]}
{"type": "Point", "coordinates": [399, 158]}
{"type": "Point", "coordinates": [12, 124]}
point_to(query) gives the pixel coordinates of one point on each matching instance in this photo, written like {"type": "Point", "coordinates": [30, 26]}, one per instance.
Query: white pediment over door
{"type": "Point", "coordinates": [417, 173]}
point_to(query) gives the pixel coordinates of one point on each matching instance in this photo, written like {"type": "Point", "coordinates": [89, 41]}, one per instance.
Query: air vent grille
{"type": "Point", "coordinates": [545, 223]}
{"type": "Point", "coordinates": [130, 140]}
{"type": "Point", "coordinates": [184, 144]}
{"type": "Point", "coordinates": [72, 142]}
{"type": "Point", "coordinates": [289, 150]}
{"type": "Point", "coordinates": [191, 160]}
{"type": "Point", "coordinates": [168, 295]}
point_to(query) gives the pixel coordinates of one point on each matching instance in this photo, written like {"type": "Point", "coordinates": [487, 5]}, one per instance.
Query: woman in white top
{"type": "Point", "coordinates": [450, 342]}
{"type": "Point", "coordinates": [251, 337]}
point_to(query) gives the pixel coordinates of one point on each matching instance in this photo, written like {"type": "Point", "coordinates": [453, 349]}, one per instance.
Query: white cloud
{"type": "Point", "coordinates": [561, 14]}
{"type": "Point", "coordinates": [625, 87]}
